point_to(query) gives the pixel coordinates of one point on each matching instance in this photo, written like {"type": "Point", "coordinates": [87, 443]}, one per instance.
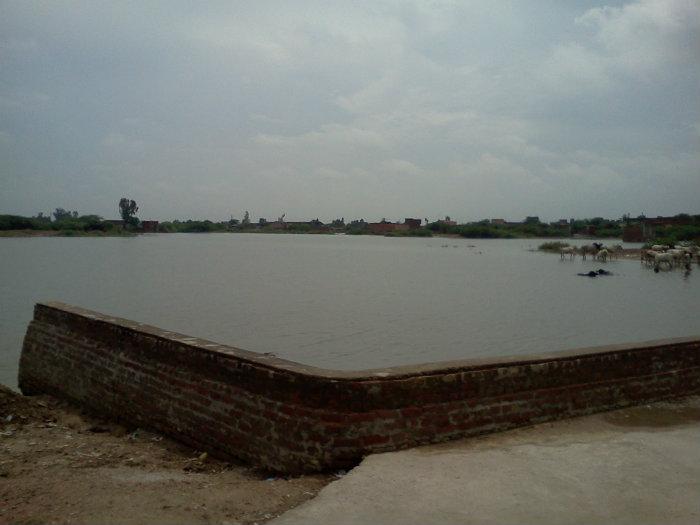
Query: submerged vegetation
{"type": "Point", "coordinates": [554, 246]}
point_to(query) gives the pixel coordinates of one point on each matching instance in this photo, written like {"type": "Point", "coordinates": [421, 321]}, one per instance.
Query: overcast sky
{"type": "Point", "coordinates": [474, 109]}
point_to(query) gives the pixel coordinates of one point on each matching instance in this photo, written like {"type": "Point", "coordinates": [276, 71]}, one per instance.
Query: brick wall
{"type": "Point", "coordinates": [289, 417]}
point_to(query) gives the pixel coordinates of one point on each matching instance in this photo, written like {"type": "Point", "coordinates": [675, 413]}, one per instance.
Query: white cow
{"type": "Point", "coordinates": [568, 250]}
{"type": "Point", "coordinates": [677, 255]}
{"type": "Point", "coordinates": [661, 258]}
{"type": "Point", "coordinates": [648, 256]}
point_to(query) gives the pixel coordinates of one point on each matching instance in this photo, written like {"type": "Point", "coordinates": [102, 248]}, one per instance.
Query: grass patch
{"type": "Point", "coordinates": [554, 246]}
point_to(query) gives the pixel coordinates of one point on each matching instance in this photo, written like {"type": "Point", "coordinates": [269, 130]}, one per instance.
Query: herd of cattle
{"type": "Point", "coordinates": [596, 250]}
{"type": "Point", "coordinates": [670, 256]}
{"type": "Point", "coordinates": [660, 255]}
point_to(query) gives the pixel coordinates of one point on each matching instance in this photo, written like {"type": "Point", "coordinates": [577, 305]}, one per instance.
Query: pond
{"type": "Point", "coordinates": [346, 302]}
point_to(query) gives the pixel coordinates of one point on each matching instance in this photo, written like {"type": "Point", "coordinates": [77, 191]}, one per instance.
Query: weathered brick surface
{"type": "Point", "coordinates": [290, 417]}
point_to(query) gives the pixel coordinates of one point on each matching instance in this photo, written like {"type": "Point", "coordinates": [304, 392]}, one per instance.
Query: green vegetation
{"type": "Point", "coordinates": [554, 246]}
{"type": "Point", "coordinates": [69, 223]}
{"type": "Point", "coordinates": [669, 230]}
{"type": "Point", "coordinates": [191, 226]}
{"type": "Point", "coordinates": [530, 227]}
{"type": "Point", "coordinates": [482, 231]}
{"type": "Point", "coordinates": [671, 235]}
{"type": "Point", "coordinates": [420, 232]}
{"type": "Point", "coordinates": [127, 211]}
{"type": "Point", "coordinates": [597, 227]}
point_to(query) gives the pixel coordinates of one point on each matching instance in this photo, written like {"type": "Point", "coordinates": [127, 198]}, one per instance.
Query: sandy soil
{"type": "Point", "coordinates": [60, 466]}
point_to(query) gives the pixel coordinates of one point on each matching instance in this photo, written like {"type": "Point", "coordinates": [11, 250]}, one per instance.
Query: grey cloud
{"type": "Point", "coordinates": [372, 109]}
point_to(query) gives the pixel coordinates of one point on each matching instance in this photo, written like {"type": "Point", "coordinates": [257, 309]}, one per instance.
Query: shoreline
{"type": "Point", "coordinates": [62, 233]}
{"type": "Point", "coordinates": [76, 233]}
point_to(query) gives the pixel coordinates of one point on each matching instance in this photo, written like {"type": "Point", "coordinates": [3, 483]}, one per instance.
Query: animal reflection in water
{"type": "Point", "coordinates": [594, 273]}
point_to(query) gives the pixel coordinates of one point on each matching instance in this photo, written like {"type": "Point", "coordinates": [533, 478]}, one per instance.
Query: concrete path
{"type": "Point", "coordinates": [639, 465]}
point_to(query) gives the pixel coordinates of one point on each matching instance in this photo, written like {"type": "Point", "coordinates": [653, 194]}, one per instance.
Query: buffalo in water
{"type": "Point", "coordinates": [594, 273]}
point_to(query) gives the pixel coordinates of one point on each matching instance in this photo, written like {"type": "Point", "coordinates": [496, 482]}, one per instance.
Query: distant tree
{"type": "Point", "coordinates": [246, 219]}
{"type": "Point", "coordinates": [127, 210]}
{"type": "Point", "coordinates": [61, 215]}
{"type": "Point", "coordinates": [43, 219]}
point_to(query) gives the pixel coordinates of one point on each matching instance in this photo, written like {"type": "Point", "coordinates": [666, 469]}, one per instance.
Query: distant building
{"type": "Point", "coordinates": [383, 227]}
{"type": "Point", "coordinates": [447, 221]}
{"type": "Point", "coordinates": [149, 226]}
{"type": "Point", "coordinates": [359, 224]}
{"type": "Point", "coordinates": [632, 233]}
{"type": "Point", "coordinates": [648, 229]}
{"type": "Point", "coordinates": [498, 221]}
{"type": "Point", "coordinates": [413, 224]}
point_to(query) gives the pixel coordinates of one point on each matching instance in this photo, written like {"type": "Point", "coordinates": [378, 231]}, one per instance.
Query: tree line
{"type": "Point", "coordinates": [63, 220]}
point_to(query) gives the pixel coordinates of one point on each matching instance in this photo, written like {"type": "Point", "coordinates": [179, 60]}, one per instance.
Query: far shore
{"type": "Point", "coordinates": [122, 233]}
{"type": "Point", "coordinates": [64, 233]}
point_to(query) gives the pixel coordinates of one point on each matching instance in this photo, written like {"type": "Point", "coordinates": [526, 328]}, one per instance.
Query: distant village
{"type": "Point", "coordinates": [640, 229]}
{"type": "Point", "coordinates": [629, 229]}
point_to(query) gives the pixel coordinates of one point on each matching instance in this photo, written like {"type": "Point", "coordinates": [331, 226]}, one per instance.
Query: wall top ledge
{"type": "Point", "coordinates": [384, 374]}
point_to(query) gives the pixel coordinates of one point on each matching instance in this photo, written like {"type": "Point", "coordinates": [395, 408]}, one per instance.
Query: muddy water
{"type": "Point", "coordinates": [343, 301]}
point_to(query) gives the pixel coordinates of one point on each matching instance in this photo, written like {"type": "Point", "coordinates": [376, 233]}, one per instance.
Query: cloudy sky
{"type": "Point", "coordinates": [474, 109]}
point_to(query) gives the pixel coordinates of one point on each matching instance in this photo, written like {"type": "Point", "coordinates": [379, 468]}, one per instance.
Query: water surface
{"type": "Point", "coordinates": [346, 302]}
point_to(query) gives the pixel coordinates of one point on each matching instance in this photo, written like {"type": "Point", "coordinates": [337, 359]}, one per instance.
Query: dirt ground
{"type": "Point", "coordinates": [59, 466]}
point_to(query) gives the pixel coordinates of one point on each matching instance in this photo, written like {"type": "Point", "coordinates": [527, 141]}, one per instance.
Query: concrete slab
{"type": "Point", "coordinates": [637, 465]}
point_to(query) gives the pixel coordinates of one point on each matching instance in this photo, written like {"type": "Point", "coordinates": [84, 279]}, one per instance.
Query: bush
{"type": "Point", "coordinates": [16, 222]}
{"type": "Point", "coordinates": [552, 246]}
{"type": "Point", "coordinates": [483, 232]}
{"type": "Point", "coordinates": [421, 232]}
